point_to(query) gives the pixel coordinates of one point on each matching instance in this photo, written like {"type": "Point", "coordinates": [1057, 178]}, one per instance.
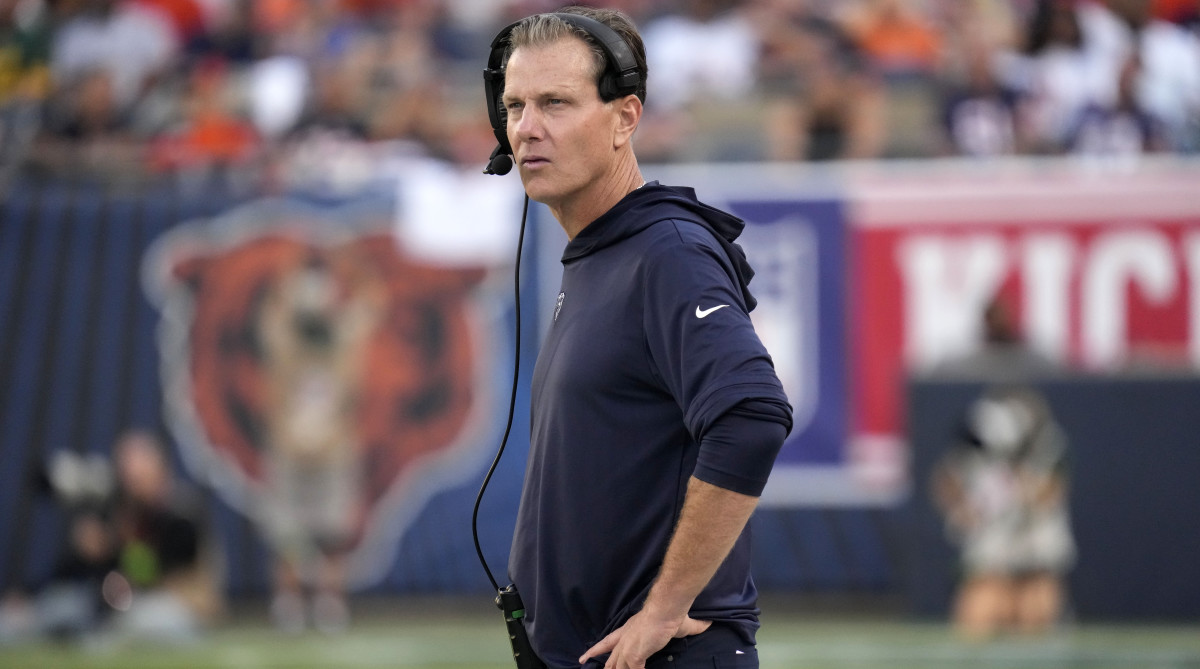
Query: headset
{"type": "Point", "coordinates": [620, 78]}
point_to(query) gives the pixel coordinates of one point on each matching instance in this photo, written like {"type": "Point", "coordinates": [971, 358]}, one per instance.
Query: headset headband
{"type": "Point", "coordinates": [620, 76]}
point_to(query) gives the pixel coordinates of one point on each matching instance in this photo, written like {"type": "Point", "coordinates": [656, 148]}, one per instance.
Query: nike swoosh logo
{"type": "Point", "coordinates": [701, 313]}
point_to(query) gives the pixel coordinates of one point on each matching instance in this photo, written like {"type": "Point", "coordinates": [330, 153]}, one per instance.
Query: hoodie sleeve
{"type": "Point", "coordinates": [699, 336]}
{"type": "Point", "coordinates": [738, 450]}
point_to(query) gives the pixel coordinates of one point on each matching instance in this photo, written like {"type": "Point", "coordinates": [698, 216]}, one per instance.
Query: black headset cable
{"type": "Point", "coordinates": [512, 400]}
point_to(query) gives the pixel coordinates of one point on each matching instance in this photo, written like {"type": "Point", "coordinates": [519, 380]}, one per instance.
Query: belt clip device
{"type": "Point", "coordinates": [509, 601]}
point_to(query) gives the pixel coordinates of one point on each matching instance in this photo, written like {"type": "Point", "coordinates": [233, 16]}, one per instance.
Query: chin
{"type": "Point", "coordinates": [538, 190]}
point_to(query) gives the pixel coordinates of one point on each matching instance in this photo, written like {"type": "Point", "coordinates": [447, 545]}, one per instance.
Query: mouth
{"type": "Point", "coordinates": [533, 162]}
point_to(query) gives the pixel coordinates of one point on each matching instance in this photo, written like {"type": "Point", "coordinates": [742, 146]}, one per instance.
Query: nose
{"type": "Point", "coordinates": [527, 126]}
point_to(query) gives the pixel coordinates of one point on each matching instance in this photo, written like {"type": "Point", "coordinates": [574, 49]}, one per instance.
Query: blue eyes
{"type": "Point", "coordinates": [513, 106]}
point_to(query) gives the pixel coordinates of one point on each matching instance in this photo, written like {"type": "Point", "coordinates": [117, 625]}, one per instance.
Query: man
{"type": "Point", "coordinates": [171, 577]}
{"type": "Point", "coordinates": [656, 412]}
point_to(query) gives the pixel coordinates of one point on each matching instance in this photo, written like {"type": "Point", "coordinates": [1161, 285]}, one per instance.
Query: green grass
{"type": "Point", "coordinates": [476, 640]}
{"type": "Point", "coordinates": [458, 644]}
{"type": "Point", "coordinates": [899, 645]}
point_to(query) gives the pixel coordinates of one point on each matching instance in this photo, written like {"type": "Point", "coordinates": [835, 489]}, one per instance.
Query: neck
{"type": "Point", "coordinates": [577, 213]}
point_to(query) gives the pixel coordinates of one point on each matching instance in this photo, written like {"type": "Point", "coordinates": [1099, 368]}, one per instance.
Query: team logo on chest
{"type": "Point", "coordinates": [558, 304]}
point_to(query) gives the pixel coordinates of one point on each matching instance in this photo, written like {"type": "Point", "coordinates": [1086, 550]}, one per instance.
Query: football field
{"type": "Point", "coordinates": [475, 640]}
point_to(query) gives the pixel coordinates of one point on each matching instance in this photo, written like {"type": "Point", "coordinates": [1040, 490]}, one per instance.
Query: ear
{"type": "Point", "coordinates": [629, 113]}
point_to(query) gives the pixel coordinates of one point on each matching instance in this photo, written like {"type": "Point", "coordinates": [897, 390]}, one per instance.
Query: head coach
{"type": "Point", "coordinates": [656, 413]}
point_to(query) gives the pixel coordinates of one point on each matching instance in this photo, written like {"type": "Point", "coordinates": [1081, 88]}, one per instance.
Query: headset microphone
{"type": "Point", "coordinates": [499, 163]}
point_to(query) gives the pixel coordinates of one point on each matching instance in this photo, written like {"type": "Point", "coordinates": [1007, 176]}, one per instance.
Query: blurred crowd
{"type": "Point", "coordinates": [275, 92]}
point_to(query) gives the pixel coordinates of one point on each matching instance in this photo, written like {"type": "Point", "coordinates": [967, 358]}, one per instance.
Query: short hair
{"type": "Point", "coordinates": [543, 29]}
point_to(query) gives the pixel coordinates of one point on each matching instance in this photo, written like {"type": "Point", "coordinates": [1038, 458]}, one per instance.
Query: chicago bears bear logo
{"type": "Point", "coordinates": [298, 340]}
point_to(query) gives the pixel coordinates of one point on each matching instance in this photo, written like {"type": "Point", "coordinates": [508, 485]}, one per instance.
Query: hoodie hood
{"type": "Point", "coordinates": [654, 203]}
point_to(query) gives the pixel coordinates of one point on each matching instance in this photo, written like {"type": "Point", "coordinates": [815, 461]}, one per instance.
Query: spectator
{"type": "Point", "coordinates": [1120, 132]}
{"type": "Point", "coordinates": [210, 136]}
{"type": "Point", "coordinates": [329, 144]}
{"type": "Point", "coordinates": [424, 61]}
{"type": "Point", "coordinates": [134, 46]}
{"type": "Point", "coordinates": [707, 50]}
{"type": "Point", "coordinates": [979, 109]}
{"type": "Point", "coordinates": [1168, 84]}
{"type": "Point", "coordinates": [407, 56]}
{"type": "Point", "coordinates": [87, 133]}
{"type": "Point", "coordinates": [902, 45]}
{"type": "Point", "coordinates": [823, 101]}
{"type": "Point", "coordinates": [896, 37]}
{"type": "Point", "coordinates": [230, 34]}
{"type": "Point", "coordinates": [980, 115]}
{"type": "Point", "coordinates": [24, 53]}
{"type": "Point", "coordinates": [24, 79]}
{"type": "Point", "coordinates": [703, 57]}
{"type": "Point", "coordinates": [1058, 74]}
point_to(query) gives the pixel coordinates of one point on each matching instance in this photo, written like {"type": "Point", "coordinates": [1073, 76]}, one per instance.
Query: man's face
{"type": "Point", "coordinates": [560, 130]}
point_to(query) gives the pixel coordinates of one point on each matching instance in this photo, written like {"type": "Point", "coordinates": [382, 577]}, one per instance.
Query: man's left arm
{"type": "Point", "coordinates": [712, 519]}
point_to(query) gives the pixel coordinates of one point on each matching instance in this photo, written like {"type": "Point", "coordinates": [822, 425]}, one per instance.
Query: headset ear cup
{"type": "Point", "coordinates": [493, 80]}
{"type": "Point", "coordinates": [502, 130]}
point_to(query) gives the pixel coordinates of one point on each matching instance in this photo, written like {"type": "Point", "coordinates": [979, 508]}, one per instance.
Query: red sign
{"type": "Point", "coordinates": [1102, 270]}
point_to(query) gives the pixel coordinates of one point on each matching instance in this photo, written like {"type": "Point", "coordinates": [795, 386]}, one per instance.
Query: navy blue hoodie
{"type": "Point", "coordinates": [651, 343]}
